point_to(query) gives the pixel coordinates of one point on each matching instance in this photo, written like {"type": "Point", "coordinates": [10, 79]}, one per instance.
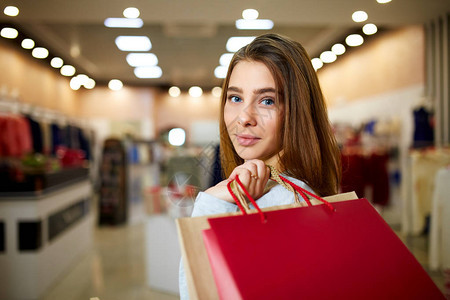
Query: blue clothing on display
{"type": "Point", "coordinates": [423, 132]}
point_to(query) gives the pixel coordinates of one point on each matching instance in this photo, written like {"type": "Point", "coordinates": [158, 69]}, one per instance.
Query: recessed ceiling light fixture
{"type": "Point", "coordinates": [123, 23]}
{"type": "Point", "coordinates": [250, 14]}
{"type": "Point", "coordinates": [90, 84]}
{"type": "Point", "coordinates": [370, 29]}
{"type": "Point", "coordinates": [338, 49]}
{"type": "Point", "coordinates": [148, 72]}
{"type": "Point", "coordinates": [11, 11]}
{"type": "Point", "coordinates": [328, 57]}
{"type": "Point", "coordinates": [131, 12]}
{"type": "Point", "coordinates": [220, 72]}
{"type": "Point", "coordinates": [39, 52]}
{"type": "Point", "coordinates": [9, 33]}
{"type": "Point", "coordinates": [142, 59]}
{"type": "Point", "coordinates": [56, 62]}
{"type": "Point", "coordinates": [359, 16]}
{"type": "Point", "coordinates": [225, 59]}
{"type": "Point", "coordinates": [195, 91]}
{"type": "Point", "coordinates": [174, 91]}
{"type": "Point", "coordinates": [75, 84]}
{"type": "Point", "coordinates": [237, 42]}
{"type": "Point", "coordinates": [133, 43]}
{"type": "Point", "coordinates": [383, 1]}
{"type": "Point", "coordinates": [216, 91]}
{"type": "Point", "coordinates": [115, 84]}
{"type": "Point", "coordinates": [260, 24]}
{"type": "Point", "coordinates": [27, 44]}
{"type": "Point", "coordinates": [354, 40]}
{"type": "Point", "coordinates": [67, 70]}
{"type": "Point", "coordinates": [317, 63]}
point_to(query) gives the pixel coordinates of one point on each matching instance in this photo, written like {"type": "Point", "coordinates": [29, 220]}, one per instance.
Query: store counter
{"type": "Point", "coordinates": [41, 234]}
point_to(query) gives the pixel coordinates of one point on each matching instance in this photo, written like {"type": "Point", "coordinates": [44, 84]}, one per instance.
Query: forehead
{"type": "Point", "coordinates": [251, 74]}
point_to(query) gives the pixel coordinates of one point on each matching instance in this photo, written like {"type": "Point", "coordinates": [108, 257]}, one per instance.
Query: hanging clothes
{"type": "Point", "coordinates": [36, 134]}
{"type": "Point", "coordinates": [423, 131]}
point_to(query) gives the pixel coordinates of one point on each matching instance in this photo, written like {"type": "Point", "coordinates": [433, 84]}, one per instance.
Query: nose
{"type": "Point", "coordinates": [247, 116]}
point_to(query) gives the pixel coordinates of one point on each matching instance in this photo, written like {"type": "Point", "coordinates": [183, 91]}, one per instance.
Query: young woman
{"type": "Point", "coordinates": [272, 113]}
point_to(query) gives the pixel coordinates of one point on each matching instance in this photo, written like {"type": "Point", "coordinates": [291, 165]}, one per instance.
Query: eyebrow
{"type": "Point", "coordinates": [256, 92]}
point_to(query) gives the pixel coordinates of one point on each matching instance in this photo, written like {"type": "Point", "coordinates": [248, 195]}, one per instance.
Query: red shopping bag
{"type": "Point", "coordinates": [339, 251]}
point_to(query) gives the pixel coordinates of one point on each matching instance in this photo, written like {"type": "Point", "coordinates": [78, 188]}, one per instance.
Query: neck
{"type": "Point", "coordinates": [274, 161]}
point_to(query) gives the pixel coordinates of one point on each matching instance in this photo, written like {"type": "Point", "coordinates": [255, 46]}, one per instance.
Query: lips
{"type": "Point", "coordinates": [247, 140]}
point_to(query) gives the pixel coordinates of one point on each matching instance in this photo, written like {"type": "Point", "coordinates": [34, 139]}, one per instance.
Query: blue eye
{"type": "Point", "coordinates": [235, 99]}
{"type": "Point", "coordinates": [268, 101]}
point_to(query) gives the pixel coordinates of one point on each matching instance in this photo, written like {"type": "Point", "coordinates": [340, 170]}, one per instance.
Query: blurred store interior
{"type": "Point", "coordinates": [103, 145]}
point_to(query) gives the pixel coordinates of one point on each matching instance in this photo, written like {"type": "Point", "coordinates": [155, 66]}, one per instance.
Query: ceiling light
{"type": "Point", "coordinates": [133, 43]}
{"type": "Point", "coordinates": [359, 16]}
{"type": "Point", "coordinates": [216, 91]}
{"type": "Point", "coordinates": [142, 59]}
{"type": "Point", "coordinates": [131, 12]}
{"type": "Point", "coordinates": [56, 62]}
{"type": "Point", "coordinates": [27, 44]}
{"type": "Point", "coordinates": [225, 59]}
{"type": "Point", "coordinates": [354, 40]}
{"type": "Point", "coordinates": [115, 84]}
{"type": "Point", "coordinates": [237, 42]}
{"type": "Point", "coordinates": [317, 63]}
{"type": "Point", "coordinates": [254, 24]}
{"type": "Point", "coordinates": [39, 52]}
{"type": "Point", "coordinates": [370, 29]}
{"type": "Point", "coordinates": [90, 84]}
{"type": "Point", "coordinates": [75, 83]}
{"type": "Point", "coordinates": [83, 79]}
{"type": "Point", "coordinates": [383, 1]}
{"type": "Point", "coordinates": [11, 11]}
{"type": "Point", "coordinates": [338, 49]}
{"type": "Point", "coordinates": [195, 91]}
{"type": "Point", "coordinates": [220, 72]}
{"type": "Point", "coordinates": [9, 33]}
{"type": "Point", "coordinates": [148, 72]}
{"type": "Point", "coordinates": [123, 23]}
{"type": "Point", "coordinates": [177, 136]}
{"type": "Point", "coordinates": [67, 70]}
{"type": "Point", "coordinates": [328, 57]}
{"type": "Point", "coordinates": [174, 91]}
{"type": "Point", "coordinates": [250, 14]}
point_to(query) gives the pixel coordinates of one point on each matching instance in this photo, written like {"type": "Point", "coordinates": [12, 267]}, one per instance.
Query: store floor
{"type": "Point", "coordinates": [115, 268]}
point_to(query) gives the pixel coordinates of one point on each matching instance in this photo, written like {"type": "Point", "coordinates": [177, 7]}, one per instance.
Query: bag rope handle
{"type": "Point", "coordinates": [238, 203]}
{"type": "Point", "coordinates": [300, 190]}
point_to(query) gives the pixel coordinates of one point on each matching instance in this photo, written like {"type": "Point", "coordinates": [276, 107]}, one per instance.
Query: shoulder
{"type": "Point", "coordinates": [278, 195]}
{"type": "Point", "coordinates": [206, 204]}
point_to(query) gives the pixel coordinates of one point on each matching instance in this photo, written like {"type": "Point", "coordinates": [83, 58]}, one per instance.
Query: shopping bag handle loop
{"type": "Point", "coordinates": [238, 203]}
{"type": "Point", "coordinates": [302, 192]}
{"type": "Point", "coordinates": [275, 175]}
{"type": "Point", "coordinates": [250, 198]}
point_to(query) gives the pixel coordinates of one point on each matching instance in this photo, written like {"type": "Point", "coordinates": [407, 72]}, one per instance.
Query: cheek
{"type": "Point", "coordinates": [228, 116]}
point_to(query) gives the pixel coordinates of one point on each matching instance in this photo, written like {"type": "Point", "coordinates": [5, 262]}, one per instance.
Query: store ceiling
{"type": "Point", "coordinates": [188, 36]}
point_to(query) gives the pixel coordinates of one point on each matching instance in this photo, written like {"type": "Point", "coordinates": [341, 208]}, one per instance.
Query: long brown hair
{"type": "Point", "coordinates": [310, 152]}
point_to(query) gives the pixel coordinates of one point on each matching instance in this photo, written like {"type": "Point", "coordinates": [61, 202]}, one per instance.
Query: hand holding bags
{"type": "Point", "coordinates": [339, 251]}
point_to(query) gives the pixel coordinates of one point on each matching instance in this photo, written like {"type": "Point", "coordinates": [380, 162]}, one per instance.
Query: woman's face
{"type": "Point", "coordinates": [252, 117]}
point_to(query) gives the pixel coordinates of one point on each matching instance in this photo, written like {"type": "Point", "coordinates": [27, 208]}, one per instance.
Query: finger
{"type": "Point", "coordinates": [252, 167]}
{"type": "Point", "coordinates": [243, 173]}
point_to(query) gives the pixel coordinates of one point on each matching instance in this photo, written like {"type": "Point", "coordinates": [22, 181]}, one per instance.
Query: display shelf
{"type": "Point", "coordinates": [42, 236]}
